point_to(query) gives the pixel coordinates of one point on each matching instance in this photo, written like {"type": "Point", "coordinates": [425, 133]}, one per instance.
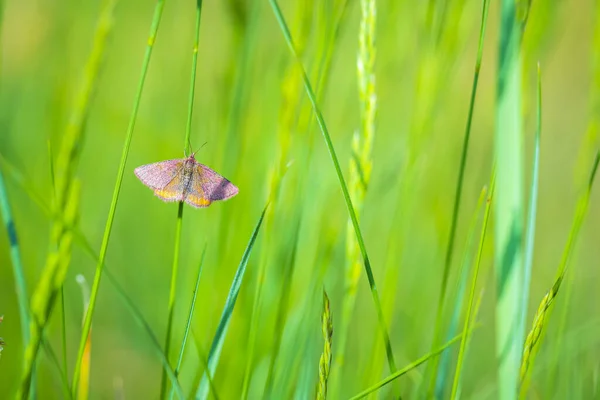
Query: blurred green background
{"type": "Point", "coordinates": [424, 72]}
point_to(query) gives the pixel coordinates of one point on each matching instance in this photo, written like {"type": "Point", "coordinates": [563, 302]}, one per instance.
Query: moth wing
{"type": "Point", "coordinates": [173, 191]}
{"type": "Point", "coordinates": [208, 186]}
{"type": "Point", "coordinates": [158, 175]}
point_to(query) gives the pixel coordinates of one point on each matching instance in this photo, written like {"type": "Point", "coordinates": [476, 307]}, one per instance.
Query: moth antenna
{"type": "Point", "coordinates": [200, 148]}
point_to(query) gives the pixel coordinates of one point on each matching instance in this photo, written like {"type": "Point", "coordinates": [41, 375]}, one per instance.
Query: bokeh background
{"type": "Point", "coordinates": [252, 111]}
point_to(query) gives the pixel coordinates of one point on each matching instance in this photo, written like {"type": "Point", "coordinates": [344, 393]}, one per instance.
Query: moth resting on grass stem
{"type": "Point", "coordinates": [186, 180]}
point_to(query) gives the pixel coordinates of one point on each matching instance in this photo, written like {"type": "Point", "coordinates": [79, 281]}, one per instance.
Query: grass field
{"type": "Point", "coordinates": [416, 215]}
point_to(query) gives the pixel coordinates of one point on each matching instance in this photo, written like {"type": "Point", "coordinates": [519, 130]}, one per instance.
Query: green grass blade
{"type": "Point", "coordinates": [15, 257]}
{"type": "Point", "coordinates": [405, 370]}
{"type": "Point", "coordinates": [321, 121]}
{"type": "Point", "coordinates": [219, 338]}
{"type": "Point", "coordinates": [532, 208]}
{"type": "Point", "coordinates": [189, 150]}
{"type": "Point", "coordinates": [189, 320]}
{"type": "Point", "coordinates": [459, 297]}
{"type": "Point", "coordinates": [204, 362]}
{"type": "Point", "coordinates": [509, 205]}
{"type": "Point", "coordinates": [468, 318]}
{"type": "Point", "coordinates": [438, 328]}
{"type": "Point", "coordinates": [115, 197]}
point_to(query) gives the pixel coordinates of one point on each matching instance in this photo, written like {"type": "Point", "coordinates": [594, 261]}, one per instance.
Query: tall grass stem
{"type": "Point", "coordinates": [158, 10]}
{"type": "Point", "coordinates": [338, 170]}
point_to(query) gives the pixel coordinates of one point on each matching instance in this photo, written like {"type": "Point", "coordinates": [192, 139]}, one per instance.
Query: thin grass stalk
{"type": "Point", "coordinates": [115, 197]}
{"type": "Point", "coordinates": [532, 208]}
{"type": "Point", "coordinates": [63, 329]}
{"type": "Point", "coordinates": [475, 314]}
{"type": "Point", "coordinates": [360, 168]}
{"type": "Point", "coordinates": [188, 324]}
{"type": "Point", "coordinates": [178, 226]}
{"type": "Point", "coordinates": [25, 185]}
{"type": "Point", "coordinates": [458, 193]}
{"type": "Point", "coordinates": [509, 205]}
{"type": "Point", "coordinates": [534, 338]}
{"type": "Point", "coordinates": [468, 318]}
{"type": "Point", "coordinates": [62, 291]}
{"type": "Point", "coordinates": [282, 308]}
{"type": "Point", "coordinates": [405, 370]}
{"type": "Point", "coordinates": [459, 299]}
{"type": "Point", "coordinates": [219, 338]}
{"type": "Point", "coordinates": [325, 359]}
{"type": "Point", "coordinates": [291, 93]}
{"type": "Point", "coordinates": [64, 379]}
{"type": "Point", "coordinates": [311, 95]}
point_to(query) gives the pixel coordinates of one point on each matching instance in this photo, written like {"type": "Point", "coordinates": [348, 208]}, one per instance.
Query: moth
{"type": "Point", "coordinates": [185, 179]}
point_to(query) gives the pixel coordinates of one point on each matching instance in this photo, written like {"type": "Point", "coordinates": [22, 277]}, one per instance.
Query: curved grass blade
{"type": "Point", "coordinates": [204, 362]}
{"type": "Point", "coordinates": [189, 320]}
{"type": "Point", "coordinates": [534, 338]}
{"type": "Point", "coordinates": [405, 370]}
{"type": "Point", "coordinates": [115, 197]}
{"type": "Point", "coordinates": [437, 332]}
{"type": "Point", "coordinates": [219, 338]}
{"type": "Point", "coordinates": [187, 146]}
{"type": "Point", "coordinates": [321, 121]}
{"type": "Point", "coordinates": [468, 318]}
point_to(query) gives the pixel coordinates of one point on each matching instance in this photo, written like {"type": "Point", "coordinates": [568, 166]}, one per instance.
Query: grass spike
{"type": "Point", "coordinates": [534, 337]}
{"type": "Point", "coordinates": [360, 170]}
{"type": "Point", "coordinates": [325, 359]}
